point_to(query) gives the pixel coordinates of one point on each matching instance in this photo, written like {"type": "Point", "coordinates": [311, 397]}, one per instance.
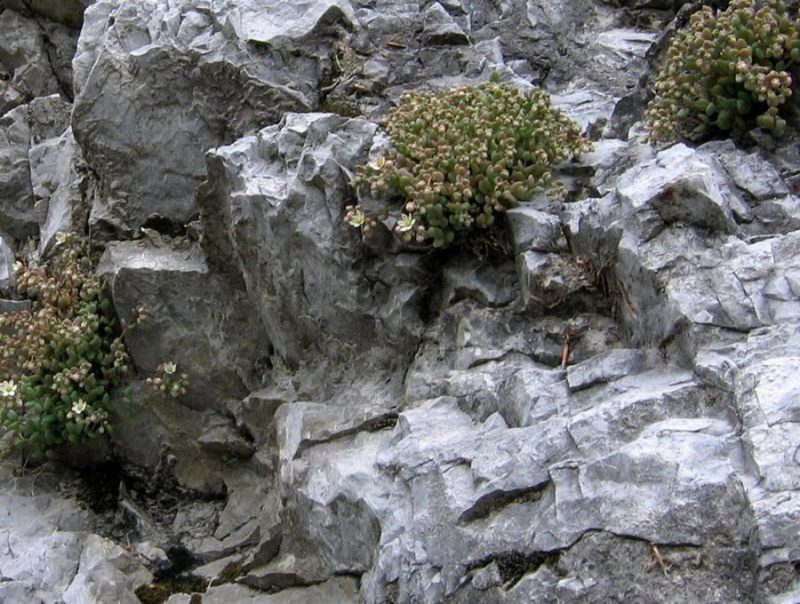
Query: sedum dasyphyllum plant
{"type": "Point", "coordinates": [460, 157]}
{"type": "Point", "coordinates": [60, 360]}
{"type": "Point", "coordinates": [168, 381]}
{"type": "Point", "coordinates": [726, 71]}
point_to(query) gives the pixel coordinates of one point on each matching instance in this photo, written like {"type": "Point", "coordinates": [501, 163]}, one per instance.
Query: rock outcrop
{"type": "Point", "coordinates": [602, 409]}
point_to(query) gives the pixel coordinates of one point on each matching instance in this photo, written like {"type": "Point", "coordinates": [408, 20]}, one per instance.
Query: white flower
{"type": "Point", "coordinates": [406, 223]}
{"type": "Point", "coordinates": [356, 218]}
{"type": "Point", "coordinates": [377, 163]}
{"type": "Point", "coordinates": [8, 389]}
{"type": "Point", "coordinates": [170, 368]}
{"type": "Point", "coordinates": [79, 407]}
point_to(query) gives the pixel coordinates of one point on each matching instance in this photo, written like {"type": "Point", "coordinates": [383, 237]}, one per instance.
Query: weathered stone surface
{"type": "Point", "coordinates": [551, 279]}
{"type": "Point", "coordinates": [440, 28]}
{"type": "Point", "coordinates": [605, 368]}
{"type": "Point", "coordinates": [535, 230]}
{"type": "Point", "coordinates": [174, 307]}
{"type": "Point", "coordinates": [56, 183]}
{"type": "Point", "coordinates": [277, 207]}
{"type": "Point", "coordinates": [22, 130]}
{"type": "Point", "coordinates": [68, 12]}
{"type": "Point", "coordinates": [750, 172]}
{"type": "Point", "coordinates": [49, 554]}
{"type": "Point", "coordinates": [107, 574]}
{"type": "Point", "coordinates": [219, 70]}
{"type": "Point", "coordinates": [411, 427]}
{"type": "Point", "coordinates": [681, 187]}
{"type": "Point", "coordinates": [340, 590]}
{"type": "Point", "coordinates": [491, 285]}
{"type": "Point", "coordinates": [24, 62]}
{"type": "Point", "coordinates": [732, 285]}
{"type": "Point", "coordinates": [7, 278]}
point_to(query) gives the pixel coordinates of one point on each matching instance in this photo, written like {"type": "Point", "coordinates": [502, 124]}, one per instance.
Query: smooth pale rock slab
{"type": "Point", "coordinates": [535, 230]}
{"type": "Point", "coordinates": [683, 186]}
{"type": "Point", "coordinates": [605, 368]}
{"type": "Point", "coordinates": [750, 172]}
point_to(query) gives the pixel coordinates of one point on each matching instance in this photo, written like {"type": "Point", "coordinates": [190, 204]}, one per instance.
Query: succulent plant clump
{"type": "Point", "coordinates": [726, 71]}
{"type": "Point", "coordinates": [59, 361]}
{"type": "Point", "coordinates": [460, 157]}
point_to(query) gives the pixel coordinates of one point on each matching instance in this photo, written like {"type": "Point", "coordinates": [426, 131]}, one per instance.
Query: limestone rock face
{"type": "Point", "coordinates": [276, 209]}
{"type": "Point", "coordinates": [35, 58]}
{"type": "Point", "coordinates": [212, 71]}
{"type": "Point", "coordinates": [50, 553]}
{"type": "Point", "coordinates": [604, 407]}
{"type": "Point", "coordinates": [27, 131]}
{"type": "Point", "coordinates": [67, 12]}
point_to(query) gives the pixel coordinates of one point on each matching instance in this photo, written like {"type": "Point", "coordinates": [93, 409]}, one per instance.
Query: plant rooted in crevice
{"type": "Point", "coordinates": [727, 71]}
{"type": "Point", "coordinates": [60, 361]}
{"type": "Point", "coordinates": [461, 157]}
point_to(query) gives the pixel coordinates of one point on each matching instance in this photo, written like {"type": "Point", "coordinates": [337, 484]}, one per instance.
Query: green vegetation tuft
{"type": "Point", "coordinates": [59, 361]}
{"type": "Point", "coordinates": [461, 157]}
{"type": "Point", "coordinates": [726, 71]}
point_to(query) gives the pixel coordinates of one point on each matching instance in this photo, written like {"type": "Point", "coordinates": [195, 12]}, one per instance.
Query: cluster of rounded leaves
{"type": "Point", "coordinates": [726, 71]}
{"type": "Point", "coordinates": [460, 157]}
{"type": "Point", "coordinates": [60, 360]}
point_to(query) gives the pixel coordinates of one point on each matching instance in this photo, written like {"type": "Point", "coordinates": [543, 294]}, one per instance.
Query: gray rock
{"type": "Point", "coordinates": [342, 590]}
{"type": "Point", "coordinates": [289, 184]}
{"type": "Point", "coordinates": [23, 129]}
{"type": "Point", "coordinates": [18, 216]}
{"type": "Point", "coordinates": [548, 280]}
{"type": "Point", "coordinates": [590, 108]}
{"type": "Point", "coordinates": [680, 185]}
{"type": "Point", "coordinates": [439, 28]}
{"type": "Point", "coordinates": [14, 305]}
{"type": "Point", "coordinates": [238, 66]}
{"type": "Point", "coordinates": [489, 283]}
{"type": "Point", "coordinates": [255, 413]}
{"type": "Point", "coordinates": [687, 490]}
{"type": "Point", "coordinates": [107, 573]}
{"type": "Point", "coordinates": [56, 183]}
{"type": "Point", "coordinates": [175, 311]}
{"type": "Point", "coordinates": [68, 12]}
{"type": "Point", "coordinates": [25, 62]}
{"type": "Point", "coordinates": [750, 172]}
{"type": "Point", "coordinates": [7, 278]}
{"type": "Point", "coordinates": [48, 553]}
{"type": "Point", "coordinates": [605, 368]}
{"type": "Point", "coordinates": [535, 230]}
{"type": "Point", "coordinates": [175, 441]}
{"type": "Point", "coordinates": [722, 283]}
